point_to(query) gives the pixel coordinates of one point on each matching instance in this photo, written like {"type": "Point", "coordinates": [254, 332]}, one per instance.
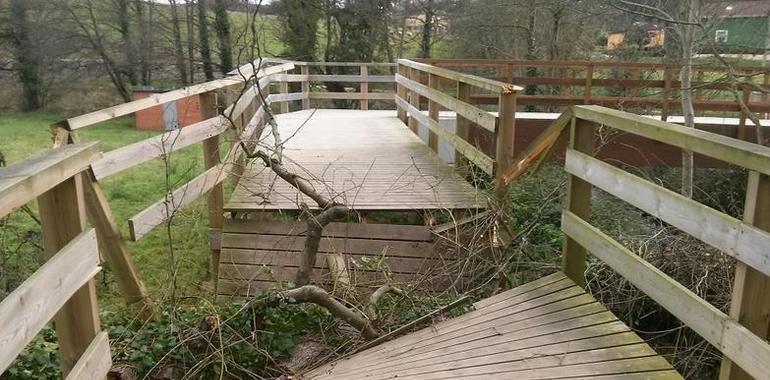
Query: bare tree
{"type": "Point", "coordinates": [179, 55]}
{"type": "Point", "coordinates": [222, 28]}
{"type": "Point", "coordinates": [203, 35]}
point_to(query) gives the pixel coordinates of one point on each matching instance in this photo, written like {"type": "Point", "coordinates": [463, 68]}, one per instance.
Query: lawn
{"type": "Point", "coordinates": [128, 193]}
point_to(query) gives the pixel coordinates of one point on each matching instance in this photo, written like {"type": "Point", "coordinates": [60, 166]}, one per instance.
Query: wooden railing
{"type": "Point", "coordinates": [411, 80]}
{"type": "Point", "coordinates": [63, 287]}
{"type": "Point", "coordinates": [313, 73]}
{"type": "Point", "coordinates": [640, 87]}
{"type": "Point", "coordinates": [742, 335]}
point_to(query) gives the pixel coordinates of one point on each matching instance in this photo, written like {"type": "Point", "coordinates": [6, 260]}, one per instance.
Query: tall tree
{"type": "Point", "coordinates": [127, 45]}
{"type": "Point", "coordinates": [203, 41]}
{"type": "Point", "coordinates": [222, 27]}
{"type": "Point", "coordinates": [27, 64]}
{"type": "Point", "coordinates": [300, 27]}
{"type": "Point", "coordinates": [145, 32]}
{"type": "Point", "coordinates": [179, 55]}
{"type": "Point", "coordinates": [429, 15]}
{"type": "Point", "coordinates": [189, 11]}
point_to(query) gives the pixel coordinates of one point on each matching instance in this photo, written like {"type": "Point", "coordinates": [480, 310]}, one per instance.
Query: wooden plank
{"type": "Point", "coordinates": [22, 181]}
{"type": "Point", "coordinates": [578, 202]}
{"type": "Point", "coordinates": [158, 99]}
{"type": "Point", "coordinates": [286, 97]}
{"type": "Point", "coordinates": [63, 220]}
{"type": "Point", "coordinates": [211, 160]}
{"type": "Point", "coordinates": [333, 78]}
{"type": "Point", "coordinates": [352, 95]}
{"type": "Point", "coordinates": [305, 86]}
{"type": "Point", "coordinates": [543, 143]}
{"type": "Point", "coordinates": [521, 289]}
{"type": "Point", "coordinates": [433, 110]}
{"type": "Point", "coordinates": [727, 149]}
{"type": "Point", "coordinates": [295, 243]}
{"type": "Point", "coordinates": [401, 93]}
{"type": "Point", "coordinates": [27, 309]}
{"type": "Point", "coordinates": [151, 217]}
{"type": "Point", "coordinates": [476, 156]}
{"type": "Point", "coordinates": [740, 240]}
{"type": "Point", "coordinates": [134, 154]}
{"type": "Point", "coordinates": [116, 251]}
{"type": "Point", "coordinates": [95, 362]}
{"type": "Point", "coordinates": [473, 80]}
{"type": "Point", "coordinates": [468, 111]}
{"type": "Point", "coordinates": [749, 304]}
{"type": "Point", "coordinates": [335, 229]}
{"type": "Point", "coordinates": [364, 104]}
{"type": "Point", "coordinates": [747, 350]}
{"type": "Point", "coordinates": [462, 127]}
{"type": "Point", "coordinates": [505, 135]}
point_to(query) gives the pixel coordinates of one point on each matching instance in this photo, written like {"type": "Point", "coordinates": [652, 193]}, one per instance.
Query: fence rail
{"type": "Point", "coordinates": [735, 335]}
{"type": "Point", "coordinates": [63, 287]}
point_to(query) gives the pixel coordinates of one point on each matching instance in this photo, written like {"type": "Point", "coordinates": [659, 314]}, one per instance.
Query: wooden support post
{"type": "Point", "coordinates": [698, 84]}
{"type": "Point", "coordinates": [578, 202]}
{"type": "Point", "coordinates": [635, 86]}
{"type": "Point", "coordinates": [62, 216]}
{"type": "Point", "coordinates": [589, 84]}
{"type": "Point", "coordinates": [504, 138]}
{"type": "Point", "coordinates": [462, 126]}
{"type": "Point", "coordinates": [667, 78]}
{"type": "Point", "coordinates": [305, 71]}
{"type": "Point", "coordinates": [742, 120]}
{"type": "Point", "coordinates": [116, 250]}
{"type": "Point", "coordinates": [414, 99]}
{"type": "Point", "coordinates": [766, 84]}
{"type": "Point", "coordinates": [401, 91]}
{"type": "Point", "coordinates": [211, 159]}
{"type": "Point", "coordinates": [284, 89]}
{"type": "Point", "coordinates": [750, 304]}
{"type": "Point", "coordinates": [433, 108]}
{"type": "Point", "coordinates": [364, 103]}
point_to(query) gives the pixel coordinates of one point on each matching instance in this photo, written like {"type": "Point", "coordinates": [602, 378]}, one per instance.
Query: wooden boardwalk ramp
{"type": "Point", "coordinates": [368, 160]}
{"type": "Point", "coordinates": [547, 329]}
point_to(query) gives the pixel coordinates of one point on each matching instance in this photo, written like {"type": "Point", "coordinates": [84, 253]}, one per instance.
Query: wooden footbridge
{"type": "Point", "coordinates": [375, 161]}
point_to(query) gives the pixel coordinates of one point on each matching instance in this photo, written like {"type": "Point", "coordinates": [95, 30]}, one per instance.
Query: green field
{"type": "Point", "coordinates": [128, 193]}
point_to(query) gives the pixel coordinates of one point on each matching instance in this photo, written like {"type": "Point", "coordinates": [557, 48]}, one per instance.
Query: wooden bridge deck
{"type": "Point", "coordinates": [368, 160]}
{"type": "Point", "coordinates": [546, 329]}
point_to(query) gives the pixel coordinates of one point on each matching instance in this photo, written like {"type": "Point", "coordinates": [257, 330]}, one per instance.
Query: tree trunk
{"type": "Point", "coordinates": [222, 26]}
{"type": "Point", "coordinates": [181, 68]}
{"type": "Point", "coordinates": [203, 35]}
{"type": "Point", "coordinates": [427, 30]}
{"type": "Point", "coordinates": [129, 53]}
{"type": "Point", "coordinates": [145, 40]}
{"type": "Point", "coordinates": [27, 60]}
{"type": "Point", "coordinates": [190, 23]}
{"type": "Point", "coordinates": [688, 111]}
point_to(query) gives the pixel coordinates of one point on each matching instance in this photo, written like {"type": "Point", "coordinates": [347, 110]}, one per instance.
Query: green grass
{"type": "Point", "coordinates": [128, 193]}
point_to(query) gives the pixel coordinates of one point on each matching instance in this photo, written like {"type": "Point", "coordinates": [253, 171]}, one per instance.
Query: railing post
{"type": "Point", "coordinates": [462, 125]}
{"type": "Point", "coordinates": [578, 201]}
{"type": "Point", "coordinates": [750, 304]}
{"type": "Point", "coordinates": [284, 89]}
{"type": "Point", "coordinates": [589, 84]}
{"type": "Point", "coordinates": [504, 139]}
{"type": "Point", "coordinates": [414, 99]}
{"type": "Point", "coordinates": [667, 78]}
{"type": "Point", "coordinates": [305, 71]}
{"type": "Point", "coordinates": [401, 92]}
{"type": "Point", "coordinates": [62, 217]}
{"type": "Point", "coordinates": [433, 108]}
{"type": "Point", "coordinates": [215, 199]}
{"type": "Point", "coordinates": [743, 116]}
{"type": "Point", "coordinates": [364, 103]}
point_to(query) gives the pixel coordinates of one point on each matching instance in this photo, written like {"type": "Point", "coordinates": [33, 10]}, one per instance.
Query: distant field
{"type": "Point", "coordinates": [23, 135]}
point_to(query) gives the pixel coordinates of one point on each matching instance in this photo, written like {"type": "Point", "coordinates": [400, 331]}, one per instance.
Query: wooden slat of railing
{"type": "Point", "coordinates": [28, 309]}
{"type": "Point", "coordinates": [727, 149]}
{"type": "Point", "coordinates": [131, 155]}
{"type": "Point", "coordinates": [333, 78]}
{"type": "Point", "coordinates": [352, 95]}
{"type": "Point", "coordinates": [95, 362]}
{"type": "Point", "coordinates": [737, 239]}
{"type": "Point", "coordinates": [472, 113]}
{"type": "Point", "coordinates": [735, 341]}
{"type": "Point", "coordinates": [21, 182]}
{"type": "Point", "coordinates": [468, 151]}
{"type": "Point", "coordinates": [480, 82]}
{"type": "Point", "coordinates": [158, 99]}
{"type": "Point", "coordinates": [159, 212]}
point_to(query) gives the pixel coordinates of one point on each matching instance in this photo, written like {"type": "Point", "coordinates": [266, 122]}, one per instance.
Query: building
{"type": "Point", "coordinates": [639, 35]}
{"type": "Point", "coordinates": [741, 27]}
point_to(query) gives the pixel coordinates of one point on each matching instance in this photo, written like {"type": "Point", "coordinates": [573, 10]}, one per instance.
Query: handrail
{"type": "Point", "coordinates": [473, 80]}
{"type": "Point", "coordinates": [746, 240]}
{"type": "Point", "coordinates": [63, 287]}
